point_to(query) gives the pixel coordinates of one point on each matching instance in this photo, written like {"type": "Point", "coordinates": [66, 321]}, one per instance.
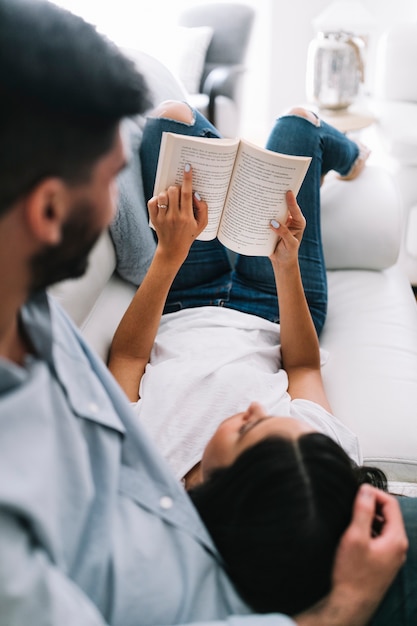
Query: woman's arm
{"type": "Point", "coordinates": [177, 226]}
{"type": "Point", "coordinates": [299, 342]}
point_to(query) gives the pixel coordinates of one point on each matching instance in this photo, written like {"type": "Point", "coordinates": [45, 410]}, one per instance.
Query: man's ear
{"type": "Point", "coordinates": [46, 209]}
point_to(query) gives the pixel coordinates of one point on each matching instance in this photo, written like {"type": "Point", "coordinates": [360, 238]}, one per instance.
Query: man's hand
{"type": "Point", "coordinates": [178, 217]}
{"type": "Point", "coordinates": [365, 563]}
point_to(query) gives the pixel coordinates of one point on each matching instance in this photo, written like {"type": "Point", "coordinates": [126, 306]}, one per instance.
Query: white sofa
{"type": "Point", "coordinates": [371, 329]}
{"type": "Point", "coordinates": [394, 135]}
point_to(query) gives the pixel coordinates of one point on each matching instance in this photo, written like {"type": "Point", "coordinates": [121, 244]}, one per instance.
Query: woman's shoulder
{"type": "Point", "coordinates": [324, 422]}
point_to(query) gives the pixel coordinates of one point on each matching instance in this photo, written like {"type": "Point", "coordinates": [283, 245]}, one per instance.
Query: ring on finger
{"type": "Point", "coordinates": [162, 206]}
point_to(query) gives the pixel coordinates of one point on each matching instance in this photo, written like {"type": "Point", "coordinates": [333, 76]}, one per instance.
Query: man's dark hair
{"type": "Point", "coordinates": [63, 90]}
{"type": "Point", "coordinates": [277, 515]}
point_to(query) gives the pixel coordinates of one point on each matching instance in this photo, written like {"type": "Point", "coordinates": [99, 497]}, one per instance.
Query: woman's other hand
{"type": "Point", "coordinates": [289, 234]}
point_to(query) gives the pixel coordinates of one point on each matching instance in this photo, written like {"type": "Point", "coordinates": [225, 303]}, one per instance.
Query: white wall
{"type": "Point", "coordinates": [278, 52]}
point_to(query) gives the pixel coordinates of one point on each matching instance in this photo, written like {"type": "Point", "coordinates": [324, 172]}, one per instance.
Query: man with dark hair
{"type": "Point", "coordinates": [63, 91]}
{"type": "Point", "coordinates": [94, 529]}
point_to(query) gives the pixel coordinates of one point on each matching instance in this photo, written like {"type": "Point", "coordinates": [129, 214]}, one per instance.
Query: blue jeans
{"type": "Point", "coordinates": [208, 277]}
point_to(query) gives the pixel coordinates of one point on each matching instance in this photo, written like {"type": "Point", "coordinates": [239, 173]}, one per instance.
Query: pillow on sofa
{"type": "Point", "coordinates": [162, 84]}
{"type": "Point", "coordinates": [186, 54]}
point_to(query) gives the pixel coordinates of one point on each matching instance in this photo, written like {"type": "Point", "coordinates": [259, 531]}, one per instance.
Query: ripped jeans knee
{"type": "Point", "coordinates": [305, 113]}
{"type": "Point", "coordinates": [175, 110]}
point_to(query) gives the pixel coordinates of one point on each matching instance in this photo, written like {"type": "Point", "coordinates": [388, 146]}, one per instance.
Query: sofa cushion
{"type": "Point", "coordinates": [361, 221]}
{"type": "Point", "coordinates": [132, 238]}
{"type": "Point", "coordinates": [104, 317]}
{"type": "Point", "coordinates": [78, 296]}
{"type": "Point", "coordinates": [162, 83]}
{"type": "Point", "coordinates": [397, 127]}
{"type": "Point", "coordinates": [188, 55]}
{"type": "Point", "coordinates": [370, 375]}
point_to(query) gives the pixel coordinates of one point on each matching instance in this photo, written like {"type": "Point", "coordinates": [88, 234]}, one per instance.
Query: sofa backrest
{"type": "Point", "coordinates": [395, 65]}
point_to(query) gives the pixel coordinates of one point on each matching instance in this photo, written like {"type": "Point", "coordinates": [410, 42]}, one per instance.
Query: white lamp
{"type": "Point", "coordinates": [345, 15]}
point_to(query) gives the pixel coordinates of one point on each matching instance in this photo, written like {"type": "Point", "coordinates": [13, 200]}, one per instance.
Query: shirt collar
{"type": "Point", "coordinates": [35, 317]}
{"type": "Point", "coordinates": [36, 320]}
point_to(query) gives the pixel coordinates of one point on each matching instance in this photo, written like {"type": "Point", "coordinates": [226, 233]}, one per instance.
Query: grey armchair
{"type": "Point", "coordinates": [224, 65]}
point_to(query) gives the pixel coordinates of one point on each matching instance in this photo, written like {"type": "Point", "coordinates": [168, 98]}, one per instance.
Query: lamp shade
{"type": "Point", "coordinates": [344, 15]}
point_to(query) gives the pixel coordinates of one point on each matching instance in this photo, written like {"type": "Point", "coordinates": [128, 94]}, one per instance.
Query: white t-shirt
{"type": "Point", "coordinates": [209, 363]}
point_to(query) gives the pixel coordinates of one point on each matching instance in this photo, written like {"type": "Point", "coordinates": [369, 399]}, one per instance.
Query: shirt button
{"type": "Point", "coordinates": [166, 502]}
{"type": "Point", "coordinates": [93, 407]}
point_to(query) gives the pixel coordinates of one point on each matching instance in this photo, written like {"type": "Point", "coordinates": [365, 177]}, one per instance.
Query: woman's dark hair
{"type": "Point", "coordinates": [63, 90]}
{"type": "Point", "coordinates": [277, 514]}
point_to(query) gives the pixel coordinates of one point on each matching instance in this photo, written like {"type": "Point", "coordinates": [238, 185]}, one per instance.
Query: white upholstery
{"type": "Point", "coordinates": [371, 373]}
{"type": "Point", "coordinates": [370, 333]}
{"type": "Point", "coordinates": [398, 51]}
{"type": "Point", "coordinates": [79, 296]}
{"type": "Point", "coordinates": [343, 246]}
{"type": "Point", "coordinates": [161, 82]}
{"type": "Point", "coordinates": [411, 235]}
{"type": "Point", "coordinates": [395, 134]}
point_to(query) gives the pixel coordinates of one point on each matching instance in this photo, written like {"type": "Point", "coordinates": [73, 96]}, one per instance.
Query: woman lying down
{"type": "Point", "coordinates": [236, 401]}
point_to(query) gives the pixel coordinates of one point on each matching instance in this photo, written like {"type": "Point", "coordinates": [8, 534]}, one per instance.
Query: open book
{"type": "Point", "coordinates": [244, 187]}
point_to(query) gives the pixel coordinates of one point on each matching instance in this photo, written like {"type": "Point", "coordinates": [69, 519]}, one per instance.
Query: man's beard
{"type": "Point", "coordinates": [68, 259]}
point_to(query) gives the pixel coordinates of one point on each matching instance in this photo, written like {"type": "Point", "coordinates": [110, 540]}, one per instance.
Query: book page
{"type": "Point", "coordinates": [256, 195]}
{"type": "Point", "coordinates": [212, 161]}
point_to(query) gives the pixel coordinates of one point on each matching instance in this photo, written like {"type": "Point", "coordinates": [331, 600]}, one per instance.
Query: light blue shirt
{"type": "Point", "coordinates": [94, 529]}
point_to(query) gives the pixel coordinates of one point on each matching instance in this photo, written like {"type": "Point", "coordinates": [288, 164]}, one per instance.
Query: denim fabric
{"type": "Point", "coordinates": [207, 276]}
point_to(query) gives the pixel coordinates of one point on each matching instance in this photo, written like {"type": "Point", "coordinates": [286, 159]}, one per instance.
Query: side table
{"type": "Point", "coordinates": [347, 120]}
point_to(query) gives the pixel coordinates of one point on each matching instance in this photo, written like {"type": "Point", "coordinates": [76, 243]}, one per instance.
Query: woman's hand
{"type": "Point", "coordinates": [290, 234]}
{"type": "Point", "coordinates": [178, 220]}
{"type": "Point", "coordinates": [178, 216]}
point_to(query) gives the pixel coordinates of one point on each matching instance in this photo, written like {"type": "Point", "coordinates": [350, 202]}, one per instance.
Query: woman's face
{"type": "Point", "coordinates": [243, 430]}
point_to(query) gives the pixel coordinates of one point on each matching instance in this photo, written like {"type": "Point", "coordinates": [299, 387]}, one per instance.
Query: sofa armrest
{"type": "Point", "coordinates": [78, 296]}
{"type": "Point", "coordinates": [397, 129]}
{"type": "Point", "coordinates": [220, 81]}
{"type": "Point", "coordinates": [361, 221]}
